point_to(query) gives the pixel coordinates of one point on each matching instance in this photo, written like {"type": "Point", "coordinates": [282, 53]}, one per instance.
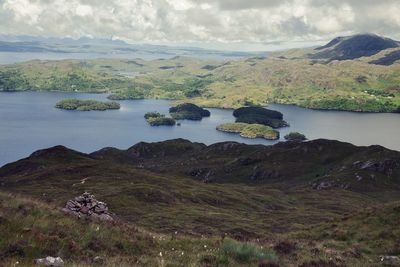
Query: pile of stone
{"type": "Point", "coordinates": [87, 207]}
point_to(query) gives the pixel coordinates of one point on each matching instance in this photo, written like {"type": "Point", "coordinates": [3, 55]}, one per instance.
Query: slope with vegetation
{"type": "Point", "coordinates": [306, 201]}
{"type": "Point", "coordinates": [313, 78]}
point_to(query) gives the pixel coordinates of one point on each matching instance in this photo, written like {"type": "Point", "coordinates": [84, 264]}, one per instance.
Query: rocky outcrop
{"type": "Point", "coordinates": [87, 207]}
{"type": "Point", "coordinates": [50, 261]}
{"type": "Point", "coordinates": [386, 166]}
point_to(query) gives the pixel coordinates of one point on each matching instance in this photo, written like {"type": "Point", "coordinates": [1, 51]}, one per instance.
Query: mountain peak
{"type": "Point", "coordinates": [355, 46]}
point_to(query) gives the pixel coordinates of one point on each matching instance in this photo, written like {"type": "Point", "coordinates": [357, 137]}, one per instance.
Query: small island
{"type": "Point", "coordinates": [188, 111]}
{"type": "Point", "coordinates": [295, 136]}
{"type": "Point", "coordinates": [157, 119]}
{"type": "Point", "coordinates": [250, 130]}
{"type": "Point", "coordinates": [86, 105]}
{"type": "Point", "coordinates": [127, 95]}
{"type": "Point", "coordinates": [259, 115]}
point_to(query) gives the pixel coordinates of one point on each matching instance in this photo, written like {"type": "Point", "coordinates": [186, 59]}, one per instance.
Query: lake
{"type": "Point", "coordinates": [29, 121]}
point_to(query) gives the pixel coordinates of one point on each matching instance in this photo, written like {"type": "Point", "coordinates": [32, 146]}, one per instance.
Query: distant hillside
{"type": "Point", "coordinates": [292, 198]}
{"type": "Point", "coordinates": [364, 84]}
{"type": "Point", "coordinates": [109, 46]}
{"type": "Point", "coordinates": [352, 47]}
{"type": "Point", "coordinates": [388, 59]}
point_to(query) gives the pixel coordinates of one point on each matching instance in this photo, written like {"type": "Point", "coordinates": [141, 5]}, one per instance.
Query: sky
{"type": "Point", "coordinates": [242, 25]}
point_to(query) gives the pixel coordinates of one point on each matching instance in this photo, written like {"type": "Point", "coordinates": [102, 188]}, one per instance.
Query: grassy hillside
{"type": "Point", "coordinates": [287, 198]}
{"type": "Point", "coordinates": [32, 229]}
{"type": "Point", "coordinates": [291, 78]}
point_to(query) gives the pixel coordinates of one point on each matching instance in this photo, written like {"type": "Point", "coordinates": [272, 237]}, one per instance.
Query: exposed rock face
{"type": "Point", "coordinates": [50, 261]}
{"type": "Point", "coordinates": [386, 166]}
{"type": "Point", "coordinates": [86, 206]}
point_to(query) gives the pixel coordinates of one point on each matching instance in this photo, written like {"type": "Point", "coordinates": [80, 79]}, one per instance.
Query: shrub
{"type": "Point", "coordinates": [246, 252]}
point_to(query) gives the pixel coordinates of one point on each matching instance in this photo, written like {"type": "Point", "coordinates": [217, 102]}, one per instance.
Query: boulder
{"type": "Point", "coordinates": [50, 261]}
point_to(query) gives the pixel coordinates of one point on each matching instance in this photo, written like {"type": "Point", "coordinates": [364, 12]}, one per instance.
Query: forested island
{"type": "Point", "coordinates": [188, 111]}
{"type": "Point", "coordinates": [86, 105]}
{"type": "Point", "coordinates": [259, 115]}
{"type": "Point", "coordinates": [250, 130]}
{"type": "Point", "coordinates": [158, 119]}
{"type": "Point", "coordinates": [295, 136]}
{"type": "Point", "coordinates": [255, 122]}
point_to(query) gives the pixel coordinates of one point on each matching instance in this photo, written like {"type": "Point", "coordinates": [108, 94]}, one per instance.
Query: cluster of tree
{"type": "Point", "coordinates": [259, 115]}
{"type": "Point", "coordinates": [158, 119]}
{"type": "Point", "coordinates": [295, 136]}
{"type": "Point", "coordinates": [353, 104]}
{"type": "Point", "coordinates": [188, 111]}
{"type": "Point", "coordinates": [86, 105]}
{"type": "Point", "coordinates": [249, 130]}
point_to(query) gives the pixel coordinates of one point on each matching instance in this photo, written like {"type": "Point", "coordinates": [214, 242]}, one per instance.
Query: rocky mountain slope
{"type": "Point", "coordinates": [352, 47]}
{"type": "Point", "coordinates": [290, 191]}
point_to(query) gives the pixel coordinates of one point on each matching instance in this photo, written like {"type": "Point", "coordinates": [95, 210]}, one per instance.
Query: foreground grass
{"type": "Point", "coordinates": [32, 229]}
{"type": "Point", "coordinates": [210, 202]}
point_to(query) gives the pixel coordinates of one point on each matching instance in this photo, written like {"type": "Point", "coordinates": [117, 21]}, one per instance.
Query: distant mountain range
{"type": "Point", "coordinates": [106, 46]}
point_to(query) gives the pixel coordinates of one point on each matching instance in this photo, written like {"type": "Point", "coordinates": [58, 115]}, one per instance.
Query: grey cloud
{"type": "Point", "coordinates": [251, 21]}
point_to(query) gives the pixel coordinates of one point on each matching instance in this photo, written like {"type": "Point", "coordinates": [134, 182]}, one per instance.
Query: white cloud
{"type": "Point", "coordinates": [84, 10]}
{"type": "Point", "coordinates": [227, 21]}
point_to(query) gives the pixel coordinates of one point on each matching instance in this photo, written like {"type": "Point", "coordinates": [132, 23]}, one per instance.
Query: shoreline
{"type": "Point", "coordinates": [195, 102]}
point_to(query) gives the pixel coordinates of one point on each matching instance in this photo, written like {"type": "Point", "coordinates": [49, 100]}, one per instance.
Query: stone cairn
{"type": "Point", "coordinates": [87, 207]}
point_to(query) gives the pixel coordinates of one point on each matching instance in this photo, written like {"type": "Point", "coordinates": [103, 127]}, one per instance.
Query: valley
{"type": "Point", "coordinates": [258, 194]}
{"type": "Point", "coordinates": [314, 183]}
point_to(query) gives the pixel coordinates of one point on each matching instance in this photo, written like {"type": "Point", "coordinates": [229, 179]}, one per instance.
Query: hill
{"type": "Point", "coordinates": [290, 77]}
{"type": "Point", "coordinates": [352, 47]}
{"type": "Point", "coordinates": [265, 195]}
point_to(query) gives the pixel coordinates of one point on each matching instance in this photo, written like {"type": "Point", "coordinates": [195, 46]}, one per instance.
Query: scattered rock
{"type": "Point", "coordinates": [390, 259]}
{"type": "Point", "coordinates": [50, 261]}
{"type": "Point", "coordinates": [320, 185]}
{"type": "Point", "coordinates": [328, 184]}
{"type": "Point", "coordinates": [386, 166]}
{"type": "Point", "coordinates": [98, 260]}
{"type": "Point", "coordinates": [86, 206]}
{"type": "Point", "coordinates": [204, 174]}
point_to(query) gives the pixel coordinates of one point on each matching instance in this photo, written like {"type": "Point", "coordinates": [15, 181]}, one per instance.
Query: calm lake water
{"type": "Point", "coordinates": [29, 121]}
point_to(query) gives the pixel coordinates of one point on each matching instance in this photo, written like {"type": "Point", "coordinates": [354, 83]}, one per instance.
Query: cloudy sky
{"type": "Point", "coordinates": [227, 24]}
